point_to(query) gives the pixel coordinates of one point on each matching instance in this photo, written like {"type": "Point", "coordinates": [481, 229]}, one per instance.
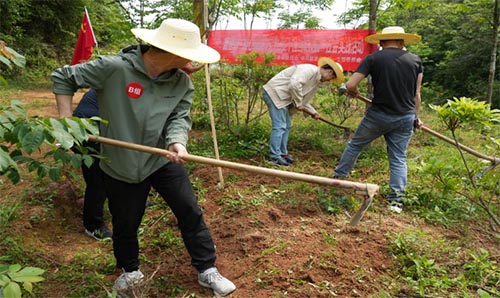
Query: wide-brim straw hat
{"type": "Point", "coordinates": [337, 68]}
{"type": "Point", "coordinates": [393, 33]}
{"type": "Point", "coordinates": [181, 38]}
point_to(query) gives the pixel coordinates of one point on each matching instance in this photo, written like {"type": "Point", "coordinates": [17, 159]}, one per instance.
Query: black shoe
{"type": "Point", "coordinates": [287, 158]}
{"type": "Point", "coordinates": [278, 161]}
{"type": "Point", "coordinates": [101, 233]}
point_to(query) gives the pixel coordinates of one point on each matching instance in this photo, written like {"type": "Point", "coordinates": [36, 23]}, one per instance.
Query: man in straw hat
{"type": "Point", "coordinates": [146, 99]}
{"type": "Point", "coordinates": [397, 76]}
{"type": "Point", "coordinates": [292, 88]}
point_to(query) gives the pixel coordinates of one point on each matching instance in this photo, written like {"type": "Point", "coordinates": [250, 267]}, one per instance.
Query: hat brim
{"type": "Point", "coordinates": [201, 54]}
{"type": "Point", "coordinates": [338, 71]}
{"type": "Point", "coordinates": [407, 37]}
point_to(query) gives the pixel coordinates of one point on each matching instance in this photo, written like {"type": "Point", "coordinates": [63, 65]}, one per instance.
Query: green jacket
{"type": "Point", "coordinates": [139, 109]}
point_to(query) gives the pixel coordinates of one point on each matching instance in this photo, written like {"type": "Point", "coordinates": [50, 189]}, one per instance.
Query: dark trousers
{"type": "Point", "coordinates": [95, 194]}
{"type": "Point", "coordinates": [127, 202]}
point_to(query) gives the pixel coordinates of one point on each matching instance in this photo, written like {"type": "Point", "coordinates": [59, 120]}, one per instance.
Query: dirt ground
{"type": "Point", "coordinates": [266, 249]}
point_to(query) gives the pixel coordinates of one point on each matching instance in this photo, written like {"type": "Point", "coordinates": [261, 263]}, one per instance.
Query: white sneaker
{"type": "Point", "coordinates": [128, 279]}
{"type": "Point", "coordinates": [211, 278]}
{"type": "Point", "coordinates": [396, 206]}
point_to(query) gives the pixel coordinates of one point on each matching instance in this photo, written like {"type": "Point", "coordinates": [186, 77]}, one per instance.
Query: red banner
{"type": "Point", "coordinates": [293, 46]}
{"type": "Point", "coordinates": [86, 40]}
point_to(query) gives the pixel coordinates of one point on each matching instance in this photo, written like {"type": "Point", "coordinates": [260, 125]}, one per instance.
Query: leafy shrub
{"type": "Point", "coordinates": [12, 275]}
{"type": "Point", "coordinates": [455, 114]}
{"type": "Point", "coordinates": [21, 134]}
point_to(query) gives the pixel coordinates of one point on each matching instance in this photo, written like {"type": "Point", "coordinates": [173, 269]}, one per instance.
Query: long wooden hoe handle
{"type": "Point", "coordinates": [495, 161]}
{"type": "Point", "coordinates": [367, 189]}
{"type": "Point", "coordinates": [327, 121]}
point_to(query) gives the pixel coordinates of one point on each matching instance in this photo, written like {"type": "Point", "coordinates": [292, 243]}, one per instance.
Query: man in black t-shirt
{"type": "Point", "coordinates": [397, 77]}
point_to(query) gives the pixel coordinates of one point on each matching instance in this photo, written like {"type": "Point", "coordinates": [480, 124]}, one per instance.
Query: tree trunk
{"type": "Point", "coordinates": [199, 15]}
{"type": "Point", "coordinates": [493, 59]}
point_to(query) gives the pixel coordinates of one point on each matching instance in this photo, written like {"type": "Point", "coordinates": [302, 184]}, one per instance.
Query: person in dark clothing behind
{"type": "Point", "coordinates": [95, 195]}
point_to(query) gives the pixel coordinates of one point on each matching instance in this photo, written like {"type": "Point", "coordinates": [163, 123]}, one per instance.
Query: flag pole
{"type": "Point", "coordinates": [92, 30]}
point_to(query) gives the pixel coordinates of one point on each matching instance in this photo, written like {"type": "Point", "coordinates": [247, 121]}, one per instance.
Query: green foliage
{"type": "Point", "coordinates": [482, 269]}
{"type": "Point", "coordinates": [465, 110]}
{"type": "Point", "coordinates": [11, 276]}
{"type": "Point", "coordinates": [7, 214]}
{"type": "Point", "coordinates": [21, 136]}
{"type": "Point", "coordinates": [299, 20]}
{"type": "Point", "coordinates": [8, 57]}
{"type": "Point", "coordinates": [460, 195]}
{"type": "Point", "coordinates": [254, 141]}
{"type": "Point", "coordinates": [333, 203]}
{"type": "Point", "coordinates": [39, 30]}
{"type": "Point", "coordinates": [337, 107]}
{"type": "Point", "coordinates": [238, 90]}
{"type": "Point", "coordinates": [428, 266]}
{"type": "Point", "coordinates": [46, 33]}
{"type": "Point", "coordinates": [419, 269]}
{"type": "Point", "coordinates": [111, 28]}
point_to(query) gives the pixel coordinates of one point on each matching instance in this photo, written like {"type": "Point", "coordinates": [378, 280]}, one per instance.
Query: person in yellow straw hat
{"type": "Point", "coordinates": [146, 99]}
{"type": "Point", "coordinates": [290, 89]}
{"type": "Point", "coordinates": [397, 77]}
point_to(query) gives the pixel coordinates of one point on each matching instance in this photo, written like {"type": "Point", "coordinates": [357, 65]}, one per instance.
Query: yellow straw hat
{"type": "Point", "coordinates": [337, 68]}
{"type": "Point", "coordinates": [393, 33]}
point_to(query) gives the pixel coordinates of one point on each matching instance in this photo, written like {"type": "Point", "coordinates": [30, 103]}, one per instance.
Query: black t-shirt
{"type": "Point", "coordinates": [394, 75]}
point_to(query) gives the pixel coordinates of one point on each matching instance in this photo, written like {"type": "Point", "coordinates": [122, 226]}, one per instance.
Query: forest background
{"type": "Point", "coordinates": [288, 239]}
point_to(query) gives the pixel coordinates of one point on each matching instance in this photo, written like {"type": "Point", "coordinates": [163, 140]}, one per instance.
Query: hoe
{"type": "Point", "coordinates": [366, 189]}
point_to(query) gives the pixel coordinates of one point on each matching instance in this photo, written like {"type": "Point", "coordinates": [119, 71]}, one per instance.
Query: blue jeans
{"type": "Point", "coordinates": [397, 131]}
{"type": "Point", "coordinates": [281, 124]}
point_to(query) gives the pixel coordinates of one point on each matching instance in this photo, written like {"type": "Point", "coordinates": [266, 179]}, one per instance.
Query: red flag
{"type": "Point", "coordinates": [86, 40]}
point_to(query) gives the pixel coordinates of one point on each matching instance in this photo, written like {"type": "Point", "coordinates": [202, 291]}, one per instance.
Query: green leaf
{"type": "Point", "coordinates": [12, 290]}
{"type": "Point", "coordinates": [76, 129]}
{"type": "Point", "coordinates": [41, 170]}
{"type": "Point", "coordinates": [92, 126]}
{"type": "Point", "coordinates": [11, 116]}
{"type": "Point", "coordinates": [6, 162]}
{"type": "Point", "coordinates": [16, 106]}
{"type": "Point", "coordinates": [13, 175]}
{"type": "Point", "coordinates": [31, 271]}
{"type": "Point", "coordinates": [76, 160]}
{"type": "Point", "coordinates": [61, 134]}
{"type": "Point", "coordinates": [28, 279]}
{"type": "Point", "coordinates": [483, 294]}
{"type": "Point", "coordinates": [19, 60]}
{"type": "Point", "coordinates": [21, 129]}
{"type": "Point", "coordinates": [4, 280]}
{"type": "Point", "coordinates": [5, 61]}
{"type": "Point", "coordinates": [88, 160]}
{"type": "Point", "coordinates": [5, 122]}
{"type": "Point", "coordinates": [55, 174]}
{"type": "Point", "coordinates": [28, 286]}
{"type": "Point", "coordinates": [14, 268]}
{"type": "Point", "coordinates": [33, 140]}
